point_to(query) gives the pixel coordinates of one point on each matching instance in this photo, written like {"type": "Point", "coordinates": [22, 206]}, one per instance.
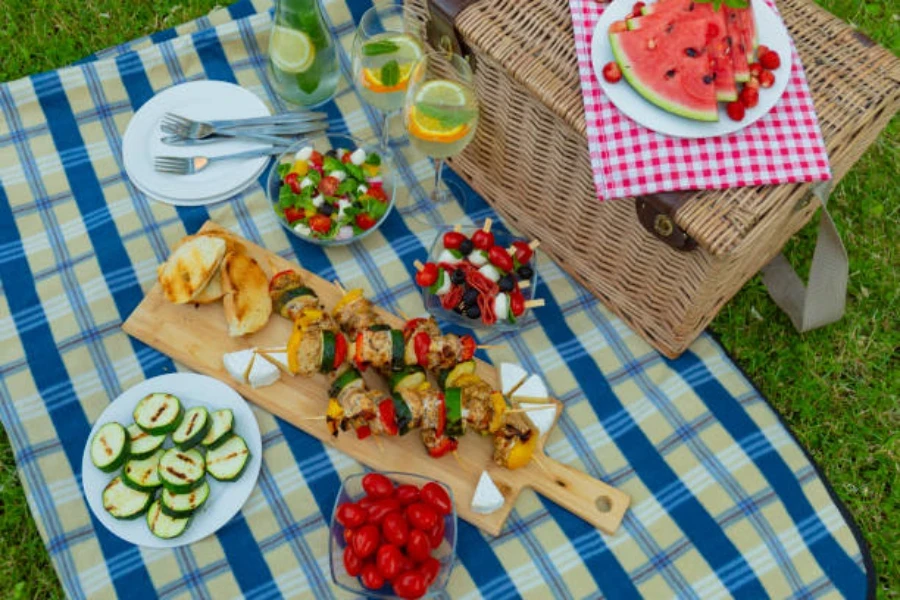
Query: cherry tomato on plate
{"type": "Point", "coordinates": [389, 559]}
{"type": "Point", "coordinates": [755, 69]}
{"type": "Point", "coordinates": [523, 252]}
{"type": "Point", "coordinates": [421, 516]}
{"type": "Point", "coordinates": [436, 533]}
{"type": "Point", "coordinates": [435, 495]}
{"type": "Point", "coordinates": [293, 180]}
{"type": "Point", "coordinates": [352, 563]}
{"type": "Point", "coordinates": [316, 158]}
{"type": "Point", "coordinates": [371, 578]}
{"type": "Point", "coordinates": [377, 192]}
{"type": "Point", "coordinates": [365, 541]}
{"type": "Point", "coordinates": [452, 240]}
{"type": "Point", "coordinates": [736, 110]}
{"type": "Point", "coordinates": [418, 547]}
{"type": "Point", "coordinates": [428, 275]}
{"type": "Point", "coordinates": [365, 503]}
{"type": "Point", "coordinates": [611, 72]}
{"type": "Point", "coordinates": [769, 60]}
{"type": "Point", "coordinates": [381, 508]}
{"type": "Point", "coordinates": [377, 485]}
{"type": "Point", "coordinates": [749, 97]}
{"type": "Point", "coordinates": [500, 258]}
{"type": "Point", "coordinates": [365, 221]}
{"type": "Point", "coordinates": [350, 515]}
{"type": "Point", "coordinates": [320, 223]}
{"type": "Point", "coordinates": [483, 239]}
{"type": "Point", "coordinates": [516, 303]}
{"type": "Point", "coordinates": [430, 568]}
{"type": "Point", "coordinates": [293, 214]}
{"type": "Point", "coordinates": [395, 529]}
{"type": "Point", "coordinates": [407, 494]}
{"type": "Point", "coordinates": [328, 186]}
{"type": "Point", "coordinates": [410, 585]}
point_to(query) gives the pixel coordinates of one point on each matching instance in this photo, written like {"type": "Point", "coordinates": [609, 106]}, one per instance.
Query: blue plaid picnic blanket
{"type": "Point", "coordinates": [725, 501]}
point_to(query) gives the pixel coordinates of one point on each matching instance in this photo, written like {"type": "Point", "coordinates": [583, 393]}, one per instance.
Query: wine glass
{"type": "Point", "coordinates": [385, 50]}
{"type": "Point", "coordinates": [441, 113]}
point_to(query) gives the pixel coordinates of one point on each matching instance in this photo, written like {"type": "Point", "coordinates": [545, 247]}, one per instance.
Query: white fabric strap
{"type": "Point", "coordinates": [823, 299]}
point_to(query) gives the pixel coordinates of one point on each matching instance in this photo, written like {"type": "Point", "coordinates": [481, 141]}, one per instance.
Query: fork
{"type": "Point", "coordinates": [281, 119]}
{"type": "Point", "coordinates": [266, 134]}
{"type": "Point", "coordinates": [188, 165]}
{"type": "Point", "coordinates": [196, 130]}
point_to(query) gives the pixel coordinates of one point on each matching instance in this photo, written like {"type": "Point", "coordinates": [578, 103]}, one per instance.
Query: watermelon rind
{"type": "Point", "coordinates": [651, 96]}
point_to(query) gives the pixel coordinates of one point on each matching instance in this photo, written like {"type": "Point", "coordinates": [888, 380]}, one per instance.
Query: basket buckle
{"type": "Point", "coordinates": [441, 28]}
{"type": "Point", "coordinates": [656, 212]}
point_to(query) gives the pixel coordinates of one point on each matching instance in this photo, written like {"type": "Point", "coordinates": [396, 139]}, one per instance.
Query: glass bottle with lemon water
{"type": "Point", "coordinates": [303, 65]}
{"type": "Point", "coordinates": [385, 50]}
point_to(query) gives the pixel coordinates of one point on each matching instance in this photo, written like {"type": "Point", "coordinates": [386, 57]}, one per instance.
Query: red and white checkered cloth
{"type": "Point", "coordinates": [785, 146]}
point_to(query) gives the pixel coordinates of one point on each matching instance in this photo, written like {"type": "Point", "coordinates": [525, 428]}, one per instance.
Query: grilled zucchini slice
{"type": "Point", "coordinates": [410, 377]}
{"type": "Point", "coordinates": [228, 461]}
{"type": "Point", "coordinates": [122, 502]}
{"type": "Point", "coordinates": [193, 428]}
{"type": "Point", "coordinates": [398, 350]}
{"type": "Point", "coordinates": [143, 474]}
{"type": "Point", "coordinates": [182, 470]}
{"type": "Point", "coordinates": [158, 413]}
{"type": "Point", "coordinates": [184, 505]}
{"type": "Point", "coordinates": [162, 525]}
{"type": "Point", "coordinates": [110, 446]}
{"type": "Point", "coordinates": [142, 443]}
{"type": "Point", "coordinates": [448, 378]}
{"type": "Point", "coordinates": [329, 347]}
{"type": "Point", "coordinates": [222, 424]}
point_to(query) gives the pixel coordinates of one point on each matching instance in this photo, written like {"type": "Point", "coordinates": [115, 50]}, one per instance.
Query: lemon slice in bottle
{"type": "Point", "coordinates": [292, 51]}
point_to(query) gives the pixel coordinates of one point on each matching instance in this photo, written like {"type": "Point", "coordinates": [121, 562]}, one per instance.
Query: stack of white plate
{"type": "Point", "coordinates": [199, 100]}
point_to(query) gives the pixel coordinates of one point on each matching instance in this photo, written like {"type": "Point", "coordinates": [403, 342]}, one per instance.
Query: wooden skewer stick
{"type": "Point", "coordinates": [537, 460]}
{"type": "Point", "coordinates": [457, 228]}
{"type": "Point", "coordinates": [271, 350]}
{"type": "Point", "coordinates": [318, 418]}
{"type": "Point", "coordinates": [489, 346]}
{"type": "Point", "coordinates": [402, 315]}
{"type": "Point", "coordinates": [533, 244]}
{"type": "Point", "coordinates": [524, 285]}
{"type": "Point", "coordinates": [418, 265]}
{"type": "Point", "coordinates": [339, 286]}
{"type": "Point", "coordinates": [462, 463]}
{"type": "Point", "coordinates": [536, 303]}
{"type": "Point", "coordinates": [522, 409]}
{"type": "Point", "coordinates": [487, 225]}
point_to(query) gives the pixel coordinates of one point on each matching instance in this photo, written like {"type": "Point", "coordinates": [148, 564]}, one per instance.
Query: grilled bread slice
{"type": "Point", "coordinates": [214, 290]}
{"type": "Point", "coordinates": [190, 268]}
{"type": "Point", "coordinates": [247, 302]}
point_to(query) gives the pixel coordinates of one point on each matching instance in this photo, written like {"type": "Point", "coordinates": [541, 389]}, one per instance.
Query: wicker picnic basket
{"type": "Point", "coordinates": [667, 264]}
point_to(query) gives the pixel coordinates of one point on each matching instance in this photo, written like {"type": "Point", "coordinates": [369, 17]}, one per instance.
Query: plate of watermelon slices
{"type": "Point", "coordinates": [692, 69]}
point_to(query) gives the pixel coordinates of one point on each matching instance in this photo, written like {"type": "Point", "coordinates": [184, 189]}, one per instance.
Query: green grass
{"type": "Point", "coordinates": [838, 388]}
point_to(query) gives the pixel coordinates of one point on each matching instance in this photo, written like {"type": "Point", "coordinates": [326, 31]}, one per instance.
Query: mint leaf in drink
{"type": "Point", "coordinates": [390, 74]}
{"type": "Point", "coordinates": [448, 116]}
{"type": "Point", "coordinates": [380, 47]}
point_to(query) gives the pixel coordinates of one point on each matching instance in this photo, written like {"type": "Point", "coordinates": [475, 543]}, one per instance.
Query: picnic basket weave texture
{"type": "Point", "coordinates": [530, 161]}
{"type": "Point", "coordinates": [725, 502]}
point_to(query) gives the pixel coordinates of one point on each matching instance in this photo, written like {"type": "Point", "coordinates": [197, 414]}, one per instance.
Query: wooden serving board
{"type": "Point", "coordinates": [197, 336]}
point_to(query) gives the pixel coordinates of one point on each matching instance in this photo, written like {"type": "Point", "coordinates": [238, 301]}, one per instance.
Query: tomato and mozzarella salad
{"type": "Point", "coordinates": [478, 278]}
{"type": "Point", "coordinates": [335, 196]}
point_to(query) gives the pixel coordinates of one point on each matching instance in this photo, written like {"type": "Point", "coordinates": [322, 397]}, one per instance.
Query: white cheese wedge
{"type": "Point", "coordinates": [358, 157]}
{"type": "Point", "coordinates": [511, 375]}
{"type": "Point", "coordinates": [305, 153]}
{"type": "Point", "coordinates": [532, 390]}
{"type": "Point", "coordinates": [305, 182]}
{"type": "Point", "coordinates": [343, 205]}
{"type": "Point", "coordinates": [542, 418]}
{"type": "Point", "coordinates": [262, 373]}
{"type": "Point", "coordinates": [302, 229]}
{"type": "Point", "coordinates": [501, 306]}
{"type": "Point", "coordinates": [362, 189]}
{"type": "Point", "coordinates": [487, 497]}
{"type": "Point", "coordinates": [318, 200]}
{"type": "Point", "coordinates": [238, 364]}
{"type": "Point", "coordinates": [277, 357]}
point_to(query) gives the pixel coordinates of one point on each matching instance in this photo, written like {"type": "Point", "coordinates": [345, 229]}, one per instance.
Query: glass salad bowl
{"type": "Point", "coordinates": [325, 192]}
{"type": "Point", "coordinates": [433, 299]}
{"type": "Point", "coordinates": [352, 491]}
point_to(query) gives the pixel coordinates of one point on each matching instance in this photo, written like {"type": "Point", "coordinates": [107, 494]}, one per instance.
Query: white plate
{"type": "Point", "coordinates": [204, 100]}
{"type": "Point", "coordinates": [772, 33]}
{"type": "Point", "coordinates": [225, 498]}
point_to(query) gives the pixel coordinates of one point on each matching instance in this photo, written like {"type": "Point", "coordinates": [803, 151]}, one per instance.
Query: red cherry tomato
{"type": "Point", "coordinates": [436, 533]}
{"type": "Point", "coordinates": [749, 97]}
{"type": "Point", "coordinates": [410, 585]}
{"type": "Point", "coordinates": [365, 221]}
{"type": "Point", "coordinates": [755, 69]}
{"type": "Point", "coordinates": [352, 563]}
{"type": "Point", "coordinates": [766, 80]}
{"type": "Point", "coordinates": [377, 192]}
{"type": "Point", "coordinates": [611, 72]}
{"type": "Point", "coordinates": [769, 60]}
{"type": "Point", "coordinates": [428, 275]}
{"type": "Point", "coordinates": [346, 157]}
{"type": "Point", "coordinates": [320, 223]}
{"type": "Point", "coordinates": [735, 110]}
{"type": "Point", "coordinates": [418, 548]}
{"type": "Point", "coordinates": [316, 158]}
{"type": "Point", "coordinates": [452, 240]}
{"type": "Point", "coordinates": [395, 529]}
{"type": "Point", "coordinates": [381, 508]}
{"type": "Point", "coordinates": [365, 503]}
{"type": "Point", "coordinates": [366, 540]}
{"type": "Point", "coordinates": [350, 515]}
{"type": "Point", "coordinates": [389, 559]}
{"type": "Point", "coordinates": [516, 303]}
{"type": "Point", "coordinates": [371, 578]}
{"type": "Point", "coordinates": [293, 180]}
{"type": "Point", "coordinates": [377, 485]}
{"type": "Point", "coordinates": [482, 239]}
{"type": "Point", "coordinates": [406, 494]}
{"type": "Point", "coordinates": [421, 516]}
{"type": "Point", "coordinates": [435, 495]}
{"type": "Point", "coordinates": [523, 252]}
{"type": "Point", "coordinates": [328, 186]}
{"type": "Point", "coordinates": [500, 258]}
{"type": "Point", "coordinates": [468, 346]}
{"type": "Point", "coordinates": [293, 215]}
{"type": "Point", "coordinates": [430, 568]}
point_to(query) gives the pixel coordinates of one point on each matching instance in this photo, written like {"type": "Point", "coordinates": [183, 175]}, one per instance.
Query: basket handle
{"type": "Point", "coordinates": [441, 28]}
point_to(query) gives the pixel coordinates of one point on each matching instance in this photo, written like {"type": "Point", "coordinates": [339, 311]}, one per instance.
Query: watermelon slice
{"type": "Point", "coordinates": [738, 46]}
{"type": "Point", "coordinates": [655, 60]}
{"type": "Point", "coordinates": [718, 43]}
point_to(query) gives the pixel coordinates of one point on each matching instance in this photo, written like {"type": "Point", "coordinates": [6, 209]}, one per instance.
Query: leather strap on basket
{"type": "Point", "coordinates": [441, 29]}
{"type": "Point", "coordinates": [822, 300]}
{"type": "Point", "coordinates": [656, 212]}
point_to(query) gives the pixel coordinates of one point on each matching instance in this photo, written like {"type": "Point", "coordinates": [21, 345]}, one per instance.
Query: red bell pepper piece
{"type": "Point", "coordinates": [468, 347]}
{"type": "Point", "coordinates": [421, 344]}
{"type": "Point", "coordinates": [340, 350]}
{"type": "Point", "coordinates": [410, 327]}
{"type": "Point", "coordinates": [388, 417]}
{"type": "Point", "coordinates": [444, 446]}
{"type": "Point", "coordinates": [363, 431]}
{"type": "Point", "coordinates": [357, 358]}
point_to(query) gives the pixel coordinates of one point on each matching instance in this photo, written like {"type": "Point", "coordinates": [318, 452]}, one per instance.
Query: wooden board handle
{"type": "Point", "coordinates": [601, 505]}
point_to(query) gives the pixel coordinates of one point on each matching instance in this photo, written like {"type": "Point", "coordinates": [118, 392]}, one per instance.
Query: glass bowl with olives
{"type": "Point", "coordinates": [480, 278]}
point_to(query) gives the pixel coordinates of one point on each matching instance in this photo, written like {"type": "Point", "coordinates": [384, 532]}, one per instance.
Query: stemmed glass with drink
{"type": "Point", "coordinates": [385, 50]}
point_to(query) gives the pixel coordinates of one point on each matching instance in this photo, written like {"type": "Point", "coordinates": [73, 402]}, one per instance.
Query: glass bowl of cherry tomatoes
{"type": "Point", "coordinates": [393, 535]}
{"type": "Point", "coordinates": [480, 278]}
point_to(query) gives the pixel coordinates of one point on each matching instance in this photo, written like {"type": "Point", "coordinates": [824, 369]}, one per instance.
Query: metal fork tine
{"type": "Point", "coordinates": [178, 118]}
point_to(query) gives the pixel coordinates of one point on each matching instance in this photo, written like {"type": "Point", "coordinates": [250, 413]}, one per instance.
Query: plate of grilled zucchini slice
{"type": "Point", "coordinates": [171, 460]}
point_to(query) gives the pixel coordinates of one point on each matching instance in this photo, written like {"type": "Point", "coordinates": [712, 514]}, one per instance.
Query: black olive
{"type": "Point", "coordinates": [327, 209]}
{"type": "Point", "coordinates": [466, 246]}
{"type": "Point", "coordinates": [458, 277]}
{"type": "Point", "coordinates": [691, 52]}
{"type": "Point", "coordinates": [525, 272]}
{"type": "Point", "coordinates": [473, 312]}
{"type": "Point", "coordinates": [470, 296]}
{"type": "Point", "coordinates": [506, 283]}
{"type": "Point", "coordinates": [332, 153]}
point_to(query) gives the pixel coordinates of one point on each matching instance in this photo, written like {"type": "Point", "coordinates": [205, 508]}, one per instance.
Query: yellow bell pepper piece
{"type": "Point", "coordinates": [498, 403]}
{"type": "Point", "coordinates": [349, 297]}
{"type": "Point", "coordinates": [521, 453]}
{"type": "Point", "coordinates": [300, 167]}
{"type": "Point", "coordinates": [335, 411]}
{"type": "Point", "coordinates": [424, 387]}
{"type": "Point", "coordinates": [293, 348]}
{"type": "Point", "coordinates": [464, 380]}
{"type": "Point", "coordinates": [370, 170]}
